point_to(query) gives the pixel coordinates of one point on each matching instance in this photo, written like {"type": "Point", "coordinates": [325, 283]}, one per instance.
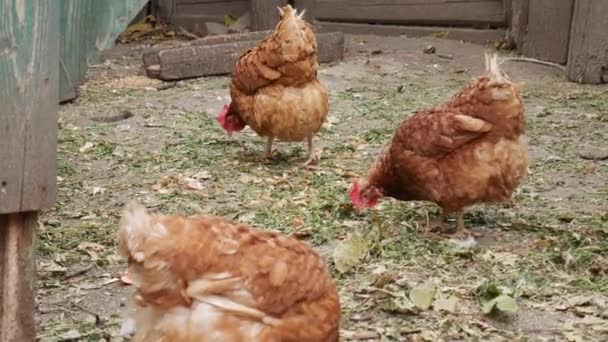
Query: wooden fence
{"type": "Point", "coordinates": [89, 27]}
{"type": "Point", "coordinates": [39, 41]}
{"type": "Point", "coordinates": [29, 60]}
{"type": "Point", "coordinates": [568, 32]}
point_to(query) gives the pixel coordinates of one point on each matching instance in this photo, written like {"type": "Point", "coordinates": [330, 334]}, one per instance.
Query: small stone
{"type": "Point", "coordinates": [430, 49]}
{"type": "Point", "coordinates": [593, 153]}
{"type": "Point", "coordinates": [543, 112]}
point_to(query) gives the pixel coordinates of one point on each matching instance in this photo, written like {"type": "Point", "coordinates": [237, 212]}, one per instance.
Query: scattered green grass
{"type": "Point", "coordinates": [554, 247]}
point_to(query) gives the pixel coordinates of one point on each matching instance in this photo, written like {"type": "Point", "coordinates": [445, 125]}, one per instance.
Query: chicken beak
{"type": "Point", "coordinates": [230, 134]}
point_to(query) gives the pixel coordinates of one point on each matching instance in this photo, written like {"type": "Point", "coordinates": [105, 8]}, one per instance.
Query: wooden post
{"type": "Point", "coordinates": [588, 55]}
{"type": "Point", "coordinates": [17, 271]}
{"type": "Point", "coordinates": [29, 94]}
{"type": "Point", "coordinates": [264, 14]}
{"type": "Point", "coordinates": [518, 17]}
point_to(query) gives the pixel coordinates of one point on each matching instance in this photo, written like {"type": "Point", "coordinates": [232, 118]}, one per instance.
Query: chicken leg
{"type": "Point", "coordinates": [436, 224]}
{"type": "Point", "coordinates": [313, 157]}
{"type": "Point", "coordinates": [461, 230]}
{"type": "Point", "coordinates": [268, 150]}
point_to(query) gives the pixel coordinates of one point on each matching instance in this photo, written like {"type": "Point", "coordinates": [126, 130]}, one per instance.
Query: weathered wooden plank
{"type": "Point", "coordinates": [480, 36]}
{"type": "Point", "coordinates": [219, 59]}
{"type": "Point", "coordinates": [150, 56]}
{"type": "Point", "coordinates": [88, 27]}
{"type": "Point", "coordinates": [264, 13]}
{"type": "Point", "coordinates": [588, 56]}
{"type": "Point", "coordinates": [163, 9]}
{"type": "Point", "coordinates": [17, 273]}
{"type": "Point", "coordinates": [548, 30]}
{"type": "Point", "coordinates": [437, 12]}
{"type": "Point", "coordinates": [29, 56]}
{"type": "Point", "coordinates": [518, 22]}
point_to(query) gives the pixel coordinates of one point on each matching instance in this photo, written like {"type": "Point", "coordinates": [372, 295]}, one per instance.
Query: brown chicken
{"type": "Point", "coordinates": [205, 279]}
{"type": "Point", "coordinates": [470, 150]}
{"type": "Point", "coordinates": [275, 89]}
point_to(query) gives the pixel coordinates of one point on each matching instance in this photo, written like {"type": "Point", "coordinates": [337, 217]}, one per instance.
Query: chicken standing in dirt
{"type": "Point", "coordinates": [275, 89]}
{"type": "Point", "coordinates": [205, 279]}
{"type": "Point", "coordinates": [470, 150]}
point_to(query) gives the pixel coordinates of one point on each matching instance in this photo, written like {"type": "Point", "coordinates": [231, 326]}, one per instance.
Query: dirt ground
{"type": "Point", "coordinates": [129, 137]}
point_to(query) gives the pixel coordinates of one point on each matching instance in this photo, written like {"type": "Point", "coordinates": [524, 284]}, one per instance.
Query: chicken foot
{"type": "Point", "coordinates": [313, 156]}
{"type": "Point", "coordinates": [461, 230]}
{"type": "Point", "coordinates": [436, 224]}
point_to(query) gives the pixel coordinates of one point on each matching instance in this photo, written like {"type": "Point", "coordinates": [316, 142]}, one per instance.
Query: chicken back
{"type": "Point", "coordinates": [274, 87]}
{"type": "Point", "coordinates": [205, 279]}
{"type": "Point", "coordinates": [470, 150]}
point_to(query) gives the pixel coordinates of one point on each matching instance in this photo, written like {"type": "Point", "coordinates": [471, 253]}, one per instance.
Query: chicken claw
{"type": "Point", "coordinates": [313, 155]}
{"type": "Point", "coordinates": [436, 224]}
{"type": "Point", "coordinates": [311, 161]}
{"type": "Point", "coordinates": [461, 230]}
{"type": "Point", "coordinates": [125, 278]}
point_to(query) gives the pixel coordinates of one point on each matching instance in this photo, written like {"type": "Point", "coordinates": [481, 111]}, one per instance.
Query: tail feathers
{"type": "Point", "coordinates": [301, 14]}
{"type": "Point", "coordinates": [287, 10]}
{"type": "Point", "coordinates": [493, 67]}
{"type": "Point", "coordinates": [137, 226]}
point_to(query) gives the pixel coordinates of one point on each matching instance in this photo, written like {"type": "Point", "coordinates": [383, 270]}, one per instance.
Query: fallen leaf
{"type": "Point", "coordinates": [245, 179]}
{"type": "Point", "coordinates": [193, 184]}
{"type": "Point", "coordinates": [400, 305]}
{"type": "Point", "coordinates": [446, 304]}
{"type": "Point", "coordinates": [572, 336]}
{"type": "Point", "coordinates": [241, 24]}
{"type": "Point", "coordinates": [97, 190]}
{"type": "Point", "coordinates": [229, 20]}
{"type": "Point", "coordinates": [506, 304]}
{"type": "Point", "coordinates": [428, 335]}
{"type": "Point", "coordinates": [88, 145]}
{"type": "Point", "coordinates": [505, 258]}
{"type": "Point", "coordinates": [204, 175]}
{"type": "Point", "coordinates": [85, 246]}
{"type": "Point", "coordinates": [51, 267]}
{"type": "Point", "coordinates": [70, 335]}
{"type": "Point", "coordinates": [422, 297]}
{"type": "Point", "coordinates": [470, 242]}
{"type": "Point", "coordinates": [247, 217]}
{"type": "Point", "coordinates": [348, 253]}
{"type": "Point", "coordinates": [502, 303]}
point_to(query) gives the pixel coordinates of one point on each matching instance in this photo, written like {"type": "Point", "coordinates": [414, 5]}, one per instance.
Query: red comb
{"type": "Point", "coordinates": [355, 194]}
{"type": "Point", "coordinates": [221, 118]}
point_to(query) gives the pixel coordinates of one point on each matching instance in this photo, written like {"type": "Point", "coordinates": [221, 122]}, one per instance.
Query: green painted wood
{"type": "Point", "coordinates": [88, 27]}
{"type": "Point", "coordinates": [29, 78]}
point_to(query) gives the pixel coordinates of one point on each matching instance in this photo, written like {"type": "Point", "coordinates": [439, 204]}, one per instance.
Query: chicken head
{"type": "Point", "coordinates": [363, 195]}
{"type": "Point", "coordinates": [230, 123]}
